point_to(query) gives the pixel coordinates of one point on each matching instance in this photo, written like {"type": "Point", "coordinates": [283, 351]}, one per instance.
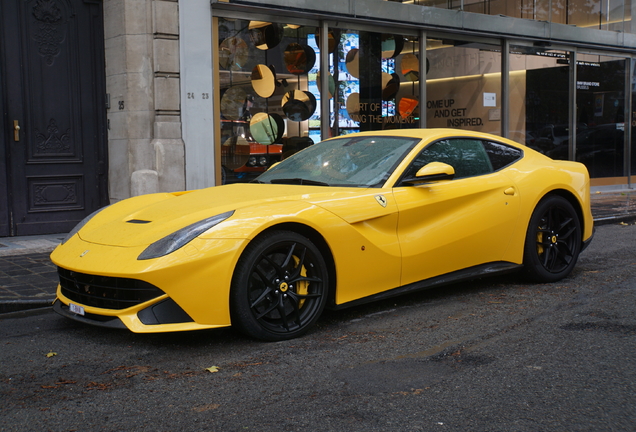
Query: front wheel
{"type": "Point", "coordinates": [280, 287]}
{"type": "Point", "coordinates": [553, 240]}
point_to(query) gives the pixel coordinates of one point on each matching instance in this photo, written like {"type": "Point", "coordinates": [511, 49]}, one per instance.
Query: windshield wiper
{"type": "Point", "coordinates": [298, 181]}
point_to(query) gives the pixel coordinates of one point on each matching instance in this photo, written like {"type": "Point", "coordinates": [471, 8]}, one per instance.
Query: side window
{"type": "Point", "coordinates": [501, 155]}
{"type": "Point", "coordinates": [467, 156]}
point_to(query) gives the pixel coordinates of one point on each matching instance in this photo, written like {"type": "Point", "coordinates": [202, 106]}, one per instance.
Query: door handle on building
{"type": "Point", "coordinates": [16, 130]}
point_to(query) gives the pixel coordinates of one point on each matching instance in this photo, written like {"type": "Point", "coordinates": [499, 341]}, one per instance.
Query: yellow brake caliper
{"type": "Point", "coordinates": [540, 248]}
{"type": "Point", "coordinates": [301, 286]}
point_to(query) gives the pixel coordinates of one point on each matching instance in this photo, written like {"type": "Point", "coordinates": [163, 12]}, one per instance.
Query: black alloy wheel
{"type": "Point", "coordinates": [280, 287]}
{"type": "Point", "coordinates": [553, 240]}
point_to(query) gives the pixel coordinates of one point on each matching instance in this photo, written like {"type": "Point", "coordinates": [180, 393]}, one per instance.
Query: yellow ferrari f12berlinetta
{"type": "Point", "coordinates": [356, 218]}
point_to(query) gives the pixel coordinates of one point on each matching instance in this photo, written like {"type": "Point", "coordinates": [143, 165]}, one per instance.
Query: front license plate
{"type": "Point", "coordinates": [79, 310]}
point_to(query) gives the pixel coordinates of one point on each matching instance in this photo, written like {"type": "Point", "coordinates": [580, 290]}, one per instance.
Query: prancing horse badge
{"type": "Point", "coordinates": [381, 200]}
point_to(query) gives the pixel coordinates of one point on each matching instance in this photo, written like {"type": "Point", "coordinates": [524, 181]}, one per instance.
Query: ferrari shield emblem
{"type": "Point", "coordinates": [381, 200]}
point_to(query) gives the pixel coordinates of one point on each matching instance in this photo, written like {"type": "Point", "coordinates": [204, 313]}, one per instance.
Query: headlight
{"type": "Point", "coordinates": [251, 161]}
{"type": "Point", "coordinates": [80, 225]}
{"type": "Point", "coordinates": [182, 237]}
{"type": "Point", "coordinates": [262, 160]}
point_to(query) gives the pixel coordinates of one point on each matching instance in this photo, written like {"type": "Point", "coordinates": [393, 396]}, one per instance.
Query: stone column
{"type": "Point", "coordinates": [142, 77]}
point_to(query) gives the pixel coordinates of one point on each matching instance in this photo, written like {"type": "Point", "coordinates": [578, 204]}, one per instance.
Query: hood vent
{"type": "Point", "coordinates": [138, 221]}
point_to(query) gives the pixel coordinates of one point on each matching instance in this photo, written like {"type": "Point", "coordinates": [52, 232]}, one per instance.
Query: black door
{"type": "Point", "coordinates": [54, 115]}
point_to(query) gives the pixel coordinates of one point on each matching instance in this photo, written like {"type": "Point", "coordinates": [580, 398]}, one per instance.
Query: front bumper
{"type": "Point", "coordinates": [185, 290]}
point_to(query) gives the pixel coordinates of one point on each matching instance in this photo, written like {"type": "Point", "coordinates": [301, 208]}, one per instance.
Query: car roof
{"type": "Point", "coordinates": [431, 134]}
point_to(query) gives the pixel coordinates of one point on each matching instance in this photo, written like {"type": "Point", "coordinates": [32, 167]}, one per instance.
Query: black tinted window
{"type": "Point", "coordinates": [466, 156]}
{"type": "Point", "coordinates": [501, 155]}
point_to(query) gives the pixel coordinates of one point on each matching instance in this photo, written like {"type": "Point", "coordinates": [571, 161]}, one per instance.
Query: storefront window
{"type": "Point", "coordinates": [271, 93]}
{"type": "Point", "coordinates": [603, 15]}
{"type": "Point", "coordinates": [539, 109]}
{"type": "Point", "coordinates": [463, 85]}
{"type": "Point", "coordinates": [600, 100]}
{"type": "Point", "coordinates": [539, 99]}
{"type": "Point", "coordinates": [375, 81]}
{"type": "Point", "coordinates": [267, 75]}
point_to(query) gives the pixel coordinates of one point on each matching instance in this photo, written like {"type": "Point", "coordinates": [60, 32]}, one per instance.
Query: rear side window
{"type": "Point", "coordinates": [501, 155]}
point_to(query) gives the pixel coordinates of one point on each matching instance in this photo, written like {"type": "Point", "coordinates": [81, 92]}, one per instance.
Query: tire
{"type": "Point", "coordinates": [553, 240]}
{"type": "Point", "coordinates": [279, 288]}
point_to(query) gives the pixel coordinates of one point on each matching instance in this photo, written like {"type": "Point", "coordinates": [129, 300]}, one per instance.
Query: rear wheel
{"type": "Point", "coordinates": [553, 240]}
{"type": "Point", "coordinates": [280, 287]}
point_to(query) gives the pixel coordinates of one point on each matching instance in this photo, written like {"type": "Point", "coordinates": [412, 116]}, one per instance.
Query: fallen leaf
{"type": "Point", "coordinates": [51, 354]}
{"type": "Point", "coordinates": [206, 407]}
{"type": "Point", "coordinates": [97, 386]}
{"type": "Point", "coordinates": [212, 369]}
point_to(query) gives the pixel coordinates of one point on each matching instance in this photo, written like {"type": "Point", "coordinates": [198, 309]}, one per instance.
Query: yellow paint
{"type": "Point", "coordinates": [411, 233]}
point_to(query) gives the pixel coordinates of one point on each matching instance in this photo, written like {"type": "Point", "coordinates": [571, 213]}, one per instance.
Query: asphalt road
{"type": "Point", "coordinates": [495, 355]}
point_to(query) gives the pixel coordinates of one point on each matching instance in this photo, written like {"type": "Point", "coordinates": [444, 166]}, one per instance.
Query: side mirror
{"type": "Point", "coordinates": [433, 171]}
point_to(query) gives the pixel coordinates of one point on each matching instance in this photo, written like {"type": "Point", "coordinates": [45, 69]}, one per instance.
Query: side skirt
{"type": "Point", "coordinates": [482, 270]}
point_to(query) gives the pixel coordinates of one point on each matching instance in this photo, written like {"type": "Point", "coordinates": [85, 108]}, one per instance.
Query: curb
{"type": "Point", "coordinates": [26, 312]}
{"type": "Point", "coordinates": [9, 306]}
{"type": "Point", "coordinates": [614, 219]}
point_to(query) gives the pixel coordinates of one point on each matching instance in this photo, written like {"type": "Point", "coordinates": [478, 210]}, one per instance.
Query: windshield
{"type": "Point", "coordinates": [356, 161]}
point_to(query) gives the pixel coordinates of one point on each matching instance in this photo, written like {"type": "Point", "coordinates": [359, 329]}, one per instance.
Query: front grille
{"type": "Point", "coordinates": [105, 292]}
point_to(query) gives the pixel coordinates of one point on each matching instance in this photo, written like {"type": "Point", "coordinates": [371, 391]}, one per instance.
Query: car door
{"type": "Point", "coordinates": [449, 225]}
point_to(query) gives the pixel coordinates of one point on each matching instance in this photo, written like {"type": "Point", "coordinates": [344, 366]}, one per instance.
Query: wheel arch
{"type": "Point", "coordinates": [322, 245]}
{"type": "Point", "coordinates": [543, 263]}
{"type": "Point", "coordinates": [572, 199]}
{"type": "Point", "coordinates": [567, 195]}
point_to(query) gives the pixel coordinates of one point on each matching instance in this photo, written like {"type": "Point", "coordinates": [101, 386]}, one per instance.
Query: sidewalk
{"type": "Point", "coordinates": [28, 279]}
{"type": "Point", "coordinates": [614, 206]}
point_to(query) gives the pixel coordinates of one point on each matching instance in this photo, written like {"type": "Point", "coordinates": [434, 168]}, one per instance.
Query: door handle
{"type": "Point", "coordinates": [509, 191]}
{"type": "Point", "coordinates": [16, 130]}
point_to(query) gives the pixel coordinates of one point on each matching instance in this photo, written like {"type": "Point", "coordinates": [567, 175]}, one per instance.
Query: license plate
{"type": "Point", "coordinates": [79, 310]}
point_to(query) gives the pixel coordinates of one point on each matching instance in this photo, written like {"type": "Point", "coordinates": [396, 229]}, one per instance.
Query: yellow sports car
{"type": "Point", "coordinates": [352, 219]}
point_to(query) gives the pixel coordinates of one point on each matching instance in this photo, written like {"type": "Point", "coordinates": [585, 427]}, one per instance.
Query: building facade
{"type": "Point", "coordinates": [200, 93]}
{"type": "Point", "coordinates": [261, 79]}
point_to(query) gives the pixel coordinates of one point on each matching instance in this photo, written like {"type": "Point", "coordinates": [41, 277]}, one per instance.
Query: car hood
{"type": "Point", "coordinates": [145, 219]}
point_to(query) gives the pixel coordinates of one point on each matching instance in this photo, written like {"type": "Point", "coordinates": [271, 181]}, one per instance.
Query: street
{"type": "Point", "coordinates": [499, 354]}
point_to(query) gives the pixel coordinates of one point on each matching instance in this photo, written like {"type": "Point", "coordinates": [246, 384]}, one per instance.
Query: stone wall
{"type": "Point", "coordinates": [146, 151]}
